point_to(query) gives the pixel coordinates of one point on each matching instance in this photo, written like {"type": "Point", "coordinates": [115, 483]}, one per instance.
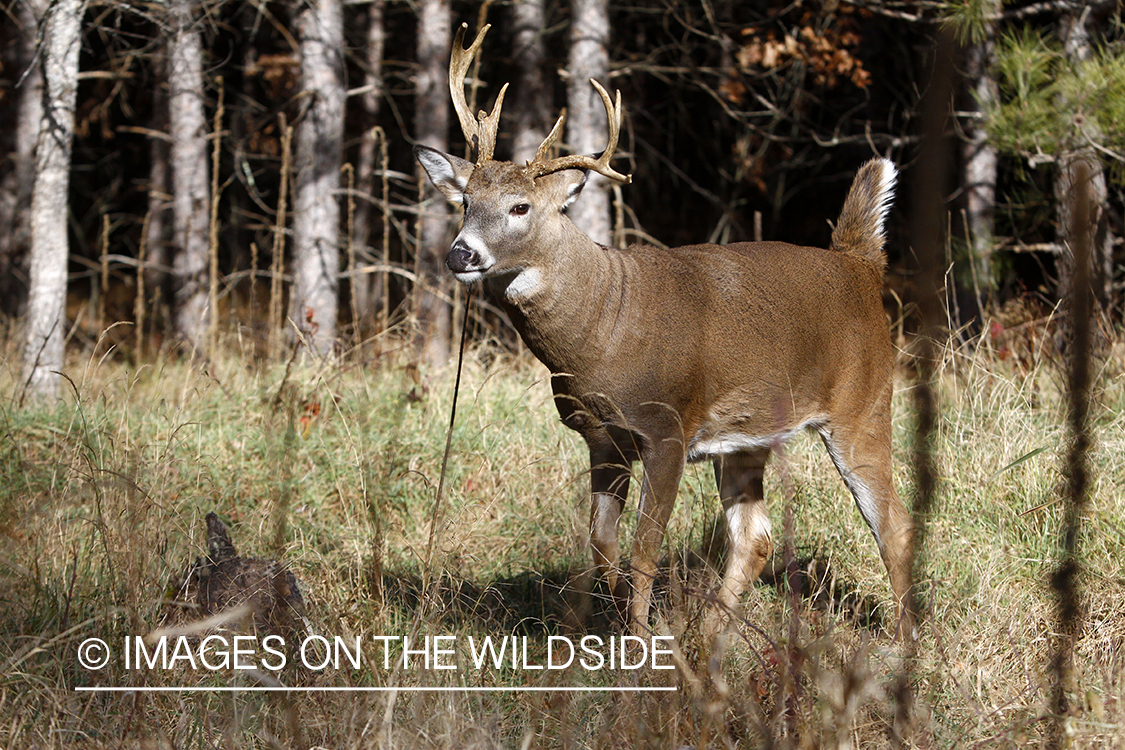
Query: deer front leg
{"type": "Point", "coordinates": [609, 486]}
{"type": "Point", "coordinates": [610, 471]}
{"type": "Point", "coordinates": [663, 466]}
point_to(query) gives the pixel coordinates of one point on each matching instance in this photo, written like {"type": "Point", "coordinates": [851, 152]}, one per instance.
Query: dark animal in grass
{"type": "Point", "coordinates": [221, 581]}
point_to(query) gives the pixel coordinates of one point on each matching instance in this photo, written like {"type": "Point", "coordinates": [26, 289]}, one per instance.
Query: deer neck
{"type": "Point", "coordinates": [568, 309]}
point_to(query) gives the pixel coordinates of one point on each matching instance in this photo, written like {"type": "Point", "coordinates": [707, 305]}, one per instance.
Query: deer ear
{"type": "Point", "coordinates": [568, 183]}
{"type": "Point", "coordinates": [578, 181]}
{"type": "Point", "coordinates": [449, 174]}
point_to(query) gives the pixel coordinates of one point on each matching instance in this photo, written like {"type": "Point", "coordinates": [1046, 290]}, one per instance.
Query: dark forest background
{"type": "Point", "coordinates": [743, 119]}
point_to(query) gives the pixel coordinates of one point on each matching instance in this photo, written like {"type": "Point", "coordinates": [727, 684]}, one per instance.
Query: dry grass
{"type": "Point", "coordinates": [334, 469]}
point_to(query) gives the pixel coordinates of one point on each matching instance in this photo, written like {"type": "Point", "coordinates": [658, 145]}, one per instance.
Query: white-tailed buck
{"type": "Point", "coordinates": [669, 356]}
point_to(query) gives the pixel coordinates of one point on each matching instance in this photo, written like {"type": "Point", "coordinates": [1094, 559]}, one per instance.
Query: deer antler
{"type": "Point", "coordinates": [480, 130]}
{"type": "Point", "coordinates": [540, 165]}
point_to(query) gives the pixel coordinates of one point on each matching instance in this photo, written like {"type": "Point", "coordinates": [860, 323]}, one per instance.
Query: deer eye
{"type": "Point", "coordinates": [520, 209]}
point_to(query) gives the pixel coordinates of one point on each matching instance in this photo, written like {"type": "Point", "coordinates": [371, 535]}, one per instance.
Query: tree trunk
{"type": "Point", "coordinates": [15, 192]}
{"type": "Point", "coordinates": [46, 308]}
{"type": "Point", "coordinates": [367, 289]}
{"type": "Point", "coordinates": [979, 155]}
{"type": "Point", "coordinates": [319, 155]}
{"type": "Point", "coordinates": [191, 200]}
{"type": "Point", "coordinates": [1074, 32]}
{"type": "Point", "coordinates": [586, 126]}
{"type": "Point", "coordinates": [531, 99]}
{"type": "Point", "coordinates": [431, 127]}
{"type": "Point", "coordinates": [1101, 250]}
{"type": "Point", "coordinates": [156, 239]}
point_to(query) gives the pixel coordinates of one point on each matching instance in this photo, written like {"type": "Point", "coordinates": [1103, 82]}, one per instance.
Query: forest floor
{"type": "Point", "coordinates": [334, 469]}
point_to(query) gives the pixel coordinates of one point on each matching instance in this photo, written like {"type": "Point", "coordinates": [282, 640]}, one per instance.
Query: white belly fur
{"type": "Point", "coordinates": [707, 444]}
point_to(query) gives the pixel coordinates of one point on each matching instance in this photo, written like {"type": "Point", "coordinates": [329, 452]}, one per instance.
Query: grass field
{"type": "Point", "coordinates": [334, 469]}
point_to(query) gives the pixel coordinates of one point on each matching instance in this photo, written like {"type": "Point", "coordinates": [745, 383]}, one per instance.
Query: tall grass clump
{"type": "Point", "coordinates": [332, 470]}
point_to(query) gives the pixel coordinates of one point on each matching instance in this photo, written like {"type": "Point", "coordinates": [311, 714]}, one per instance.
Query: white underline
{"type": "Point", "coordinates": [400, 689]}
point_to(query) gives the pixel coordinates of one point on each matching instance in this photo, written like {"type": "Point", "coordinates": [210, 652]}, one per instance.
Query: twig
{"type": "Point", "coordinates": [385, 311]}
{"type": "Point", "coordinates": [279, 237]}
{"type": "Point", "coordinates": [139, 300]}
{"type": "Point", "coordinates": [448, 445]}
{"type": "Point", "coordinates": [103, 280]}
{"type": "Point", "coordinates": [350, 234]}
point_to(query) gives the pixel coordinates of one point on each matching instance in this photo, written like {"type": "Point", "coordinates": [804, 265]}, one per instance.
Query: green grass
{"type": "Point", "coordinates": [335, 469]}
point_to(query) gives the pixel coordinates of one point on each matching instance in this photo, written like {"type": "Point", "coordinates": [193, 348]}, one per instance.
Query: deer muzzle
{"type": "Point", "coordinates": [463, 260]}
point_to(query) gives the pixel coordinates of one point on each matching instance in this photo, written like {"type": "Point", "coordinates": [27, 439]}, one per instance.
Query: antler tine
{"type": "Point", "coordinates": [489, 126]}
{"type": "Point", "coordinates": [545, 146]}
{"type": "Point", "coordinates": [540, 165]}
{"type": "Point", "coordinates": [459, 61]}
{"type": "Point", "coordinates": [613, 115]}
{"type": "Point", "coordinates": [480, 130]}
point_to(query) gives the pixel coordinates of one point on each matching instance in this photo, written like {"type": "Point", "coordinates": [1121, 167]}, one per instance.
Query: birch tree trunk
{"type": "Point", "coordinates": [191, 200]}
{"type": "Point", "coordinates": [46, 308]}
{"type": "Point", "coordinates": [431, 128]}
{"type": "Point", "coordinates": [367, 290]}
{"type": "Point", "coordinates": [1074, 32]}
{"type": "Point", "coordinates": [15, 192]}
{"type": "Point", "coordinates": [319, 155]}
{"type": "Point", "coordinates": [531, 100]}
{"type": "Point", "coordinates": [586, 124]}
{"type": "Point", "coordinates": [979, 156]}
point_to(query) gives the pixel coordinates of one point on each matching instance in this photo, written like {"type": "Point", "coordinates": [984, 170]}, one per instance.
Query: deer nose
{"type": "Point", "coordinates": [462, 258]}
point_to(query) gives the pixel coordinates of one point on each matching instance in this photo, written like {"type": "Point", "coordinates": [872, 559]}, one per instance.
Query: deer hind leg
{"type": "Point", "coordinates": [749, 541]}
{"type": "Point", "coordinates": [863, 458]}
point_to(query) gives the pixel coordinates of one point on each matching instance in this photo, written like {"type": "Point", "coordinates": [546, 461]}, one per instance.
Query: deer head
{"type": "Point", "coordinates": [510, 210]}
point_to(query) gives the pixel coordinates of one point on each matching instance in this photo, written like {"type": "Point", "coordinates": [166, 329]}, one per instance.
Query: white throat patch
{"type": "Point", "coordinates": [525, 285]}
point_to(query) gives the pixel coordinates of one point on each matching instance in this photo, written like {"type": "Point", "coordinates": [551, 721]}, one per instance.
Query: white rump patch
{"type": "Point", "coordinates": [525, 285]}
